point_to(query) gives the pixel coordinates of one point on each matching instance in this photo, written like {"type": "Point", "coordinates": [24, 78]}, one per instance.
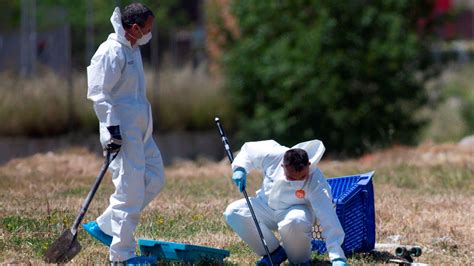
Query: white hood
{"type": "Point", "coordinates": [116, 20]}
{"type": "Point", "coordinates": [314, 148]}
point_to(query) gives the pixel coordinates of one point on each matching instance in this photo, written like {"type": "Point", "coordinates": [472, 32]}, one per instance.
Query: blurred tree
{"type": "Point", "coordinates": [168, 14]}
{"type": "Point", "coordinates": [350, 73]}
{"type": "Point", "coordinates": [10, 19]}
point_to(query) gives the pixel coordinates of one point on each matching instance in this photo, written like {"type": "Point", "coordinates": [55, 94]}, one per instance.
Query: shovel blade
{"type": "Point", "coordinates": [64, 249]}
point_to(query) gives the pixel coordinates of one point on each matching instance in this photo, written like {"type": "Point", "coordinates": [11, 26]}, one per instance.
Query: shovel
{"type": "Point", "coordinates": [66, 246]}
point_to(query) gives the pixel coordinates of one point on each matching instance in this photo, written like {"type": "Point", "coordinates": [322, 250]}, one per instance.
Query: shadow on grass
{"type": "Point", "coordinates": [321, 263]}
{"type": "Point", "coordinates": [375, 256]}
{"type": "Point", "coordinates": [199, 263]}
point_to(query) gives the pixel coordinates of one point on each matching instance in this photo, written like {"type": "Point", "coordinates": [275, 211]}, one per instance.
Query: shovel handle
{"type": "Point", "coordinates": [228, 151]}
{"type": "Point", "coordinates": [85, 205]}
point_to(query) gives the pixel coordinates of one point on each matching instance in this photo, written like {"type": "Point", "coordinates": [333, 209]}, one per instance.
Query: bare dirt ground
{"type": "Point", "coordinates": [423, 196]}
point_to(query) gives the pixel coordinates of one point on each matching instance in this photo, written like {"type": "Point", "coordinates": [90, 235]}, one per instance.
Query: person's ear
{"type": "Point", "coordinates": [135, 27]}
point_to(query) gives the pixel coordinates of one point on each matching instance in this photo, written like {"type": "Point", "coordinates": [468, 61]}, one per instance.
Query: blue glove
{"type": "Point", "coordinates": [115, 142]}
{"type": "Point", "coordinates": [239, 177]}
{"type": "Point", "coordinates": [339, 262]}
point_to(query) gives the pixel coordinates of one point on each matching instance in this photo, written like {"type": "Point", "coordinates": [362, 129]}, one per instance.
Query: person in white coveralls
{"type": "Point", "coordinates": [116, 85]}
{"type": "Point", "coordinates": [293, 194]}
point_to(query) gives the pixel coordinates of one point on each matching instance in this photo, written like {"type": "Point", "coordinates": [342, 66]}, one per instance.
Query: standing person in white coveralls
{"type": "Point", "coordinates": [116, 85]}
{"type": "Point", "coordinates": [294, 192]}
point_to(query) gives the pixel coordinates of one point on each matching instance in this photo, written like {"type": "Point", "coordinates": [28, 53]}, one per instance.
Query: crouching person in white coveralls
{"type": "Point", "coordinates": [294, 192]}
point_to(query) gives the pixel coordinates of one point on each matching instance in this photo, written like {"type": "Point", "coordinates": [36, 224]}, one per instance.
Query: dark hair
{"type": "Point", "coordinates": [296, 158]}
{"type": "Point", "coordinates": [135, 13]}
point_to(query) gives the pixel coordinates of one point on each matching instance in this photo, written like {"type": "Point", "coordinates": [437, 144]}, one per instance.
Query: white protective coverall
{"type": "Point", "coordinates": [116, 85]}
{"type": "Point", "coordinates": [278, 208]}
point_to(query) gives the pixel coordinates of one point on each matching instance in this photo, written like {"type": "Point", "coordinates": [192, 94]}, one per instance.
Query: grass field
{"type": "Point", "coordinates": [423, 196]}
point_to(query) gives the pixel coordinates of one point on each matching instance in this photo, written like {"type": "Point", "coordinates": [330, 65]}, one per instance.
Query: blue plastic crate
{"type": "Point", "coordinates": [171, 251]}
{"type": "Point", "coordinates": [354, 200]}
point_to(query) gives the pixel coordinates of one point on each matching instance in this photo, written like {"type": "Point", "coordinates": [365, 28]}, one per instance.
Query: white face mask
{"type": "Point", "coordinates": [144, 39]}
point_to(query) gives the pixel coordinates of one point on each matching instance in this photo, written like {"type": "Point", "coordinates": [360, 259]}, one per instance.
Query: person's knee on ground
{"type": "Point", "coordinates": [238, 217]}
{"type": "Point", "coordinates": [296, 238]}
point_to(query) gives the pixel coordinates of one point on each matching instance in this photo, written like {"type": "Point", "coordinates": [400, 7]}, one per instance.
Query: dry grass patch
{"type": "Point", "coordinates": [423, 196]}
{"type": "Point", "coordinates": [440, 223]}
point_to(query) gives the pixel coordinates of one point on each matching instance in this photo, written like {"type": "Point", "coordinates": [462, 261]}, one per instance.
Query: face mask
{"type": "Point", "coordinates": [144, 39]}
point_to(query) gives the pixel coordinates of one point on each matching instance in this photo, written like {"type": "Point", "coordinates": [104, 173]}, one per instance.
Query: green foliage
{"type": "Point", "coordinates": [10, 18]}
{"type": "Point", "coordinates": [166, 12]}
{"type": "Point", "coordinates": [350, 73]}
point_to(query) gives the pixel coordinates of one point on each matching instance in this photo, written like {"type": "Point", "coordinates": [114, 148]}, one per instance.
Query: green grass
{"type": "Point", "coordinates": [185, 223]}
{"type": "Point", "coordinates": [83, 190]}
{"type": "Point", "coordinates": [15, 224]}
{"type": "Point", "coordinates": [24, 233]}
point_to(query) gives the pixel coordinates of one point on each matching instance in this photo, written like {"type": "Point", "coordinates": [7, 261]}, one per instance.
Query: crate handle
{"type": "Point", "coordinates": [365, 178]}
{"type": "Point", "coordinates": [363, 181]}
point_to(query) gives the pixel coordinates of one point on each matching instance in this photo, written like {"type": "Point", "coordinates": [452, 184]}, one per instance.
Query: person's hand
{"type": "Point", "coordinates": [239, 177]}
{"type": "Point", "coordinates": [115, 142]}
{"type": "Point", "coordinates": [339, 262]}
